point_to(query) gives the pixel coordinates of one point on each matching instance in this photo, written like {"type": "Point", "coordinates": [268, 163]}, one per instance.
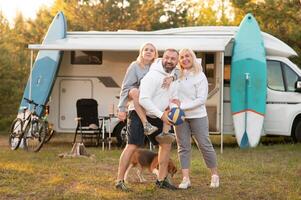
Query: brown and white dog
{"type": "Point", "coordinates": [146, 159]}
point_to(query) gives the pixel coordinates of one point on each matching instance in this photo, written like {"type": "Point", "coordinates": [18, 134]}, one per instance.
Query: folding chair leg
{"type": "Point", "coordinates": [81, 132]}
{"type": "Point", "coordinates": [98, 138]}
{"type": "Point", "coordinates": [74, 140]}
{"type": "Point", "coordinates": [103, 134]}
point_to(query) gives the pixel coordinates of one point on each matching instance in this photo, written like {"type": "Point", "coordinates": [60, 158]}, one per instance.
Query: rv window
{"type": "Point", "coordinates": [108, 81]}
{"type": "Point", "coordinates": [275, 78]}
{"type": "Point", "coordinates": [227, 69]}
{"type": "Point", "coordinates": [291, 77]}
{"type": "Point", "coordinates": [209, 65]}
{"type": "Point", "coordinates": [209, 69]}
{"type": "Point", "coordinates": [86, 57]}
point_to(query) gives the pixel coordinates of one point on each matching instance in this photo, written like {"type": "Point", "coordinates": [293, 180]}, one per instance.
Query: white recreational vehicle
{"type": "Point", "coordinates": [94, 64]}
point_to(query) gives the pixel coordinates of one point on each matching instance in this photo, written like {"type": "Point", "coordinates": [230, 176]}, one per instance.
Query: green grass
{"type": "Point", "coordinates": [270, 171]}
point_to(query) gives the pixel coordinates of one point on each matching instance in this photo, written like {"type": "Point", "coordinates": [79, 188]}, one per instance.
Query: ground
{"type": "Point", "coordinates": [270, 171]}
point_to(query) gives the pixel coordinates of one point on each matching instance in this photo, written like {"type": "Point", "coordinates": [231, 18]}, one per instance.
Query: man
{"type": "Point", "coordinates": [155, 99]}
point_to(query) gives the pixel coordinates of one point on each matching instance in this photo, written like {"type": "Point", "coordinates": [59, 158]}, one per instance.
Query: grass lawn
{"type": "Point", "coordinates": [270, 171]}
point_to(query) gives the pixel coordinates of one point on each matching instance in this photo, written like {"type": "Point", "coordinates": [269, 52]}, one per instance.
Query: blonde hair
{"type": "Point", "coordinates": [196, 66]}
{"type": "Point", "coordinates": [140, 58]}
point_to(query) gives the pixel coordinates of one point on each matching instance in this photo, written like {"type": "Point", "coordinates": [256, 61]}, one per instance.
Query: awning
{"type": "Point", "coordinates": [134, 42]}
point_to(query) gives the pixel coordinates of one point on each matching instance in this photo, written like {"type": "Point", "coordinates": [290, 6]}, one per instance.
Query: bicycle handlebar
{"type": "Point", "coordinates": [34, 103]}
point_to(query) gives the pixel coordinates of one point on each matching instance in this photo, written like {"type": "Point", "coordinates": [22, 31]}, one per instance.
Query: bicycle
{"type": "Point", "coordinates": [30, 129]}
{"type": "Point", "coordinates": [50, 131]}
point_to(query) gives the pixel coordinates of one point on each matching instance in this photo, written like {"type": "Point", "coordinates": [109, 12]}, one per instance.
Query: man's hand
{"type": "Point", "coordinates": [121, 116]}
{"type": "Point", "coordinates": [164, 117]}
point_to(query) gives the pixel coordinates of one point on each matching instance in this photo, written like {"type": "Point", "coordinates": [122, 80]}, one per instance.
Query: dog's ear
{"type": "Point", "coordinates": [173, 170]}
{"type": "Point", "coordinates": [155, 163]}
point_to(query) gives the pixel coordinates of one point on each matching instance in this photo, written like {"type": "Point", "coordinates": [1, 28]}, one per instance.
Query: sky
{"type": "Point", "coordinates": [27, 7]}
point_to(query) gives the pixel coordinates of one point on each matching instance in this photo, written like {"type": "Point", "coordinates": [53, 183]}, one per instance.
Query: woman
{"type": "Point", "coordinates": [192, 93]}
{"type": "Point", "coordinates": [129, 90]}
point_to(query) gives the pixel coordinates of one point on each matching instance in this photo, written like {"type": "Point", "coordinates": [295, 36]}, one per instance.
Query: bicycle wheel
{"type": "Point", "coordinates": [50, 132]}
{"type": "Point", "coordinates": [15, 134]}
{"type": "Point", "coordinates": [35, 135]}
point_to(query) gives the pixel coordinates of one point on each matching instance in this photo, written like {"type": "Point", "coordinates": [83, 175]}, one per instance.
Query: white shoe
{"type": "Point", "coordinates": [149, 129]}
{"type": "Point", "coordinates": [214, 181]}
{"type": "Point", "coordinates": [185, 183]}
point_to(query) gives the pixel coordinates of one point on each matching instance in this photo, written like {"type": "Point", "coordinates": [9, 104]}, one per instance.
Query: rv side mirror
{"type": "Point", "coordinates": [298, 85]}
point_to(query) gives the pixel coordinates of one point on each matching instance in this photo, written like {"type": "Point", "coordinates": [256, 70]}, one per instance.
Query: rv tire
{"type": "Point", "coordinates": [120, 134]}
{"type": "Point", "coordinates": [296, 134]}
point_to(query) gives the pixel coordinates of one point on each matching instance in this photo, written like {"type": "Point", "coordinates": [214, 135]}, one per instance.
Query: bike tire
{"type": "Point", "coordinates": [50, 133]}
{"type": "Point", "coordinates": [34, 135]}
{"type": "Point", "coordinates": [15, 134]}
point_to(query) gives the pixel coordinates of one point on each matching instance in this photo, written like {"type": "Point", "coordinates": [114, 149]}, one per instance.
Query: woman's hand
{"type": "Point", "coordinates": [166, 82]}
{"type": "Point", "coordinates": [164, 117]}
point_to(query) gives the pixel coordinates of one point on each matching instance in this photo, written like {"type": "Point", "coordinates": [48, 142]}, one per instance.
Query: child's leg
{"type": "Point", "coordinates": [166, 128]}
{"type": "Point", "coordinates": [148, 128]}
{"type": "Point", "coordinates": [165, 137]}
{"type": "Point", "coordinates": [134, 95]}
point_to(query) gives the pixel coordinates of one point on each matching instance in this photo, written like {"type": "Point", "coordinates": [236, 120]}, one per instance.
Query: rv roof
{"type": "Point", "coordinates": [201, 38]}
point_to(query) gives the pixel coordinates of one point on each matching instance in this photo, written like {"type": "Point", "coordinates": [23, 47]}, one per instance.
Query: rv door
{"type": "Point", "coordinates": [70, 91]}
{"type": "Point", "coordinates": [283, 102]}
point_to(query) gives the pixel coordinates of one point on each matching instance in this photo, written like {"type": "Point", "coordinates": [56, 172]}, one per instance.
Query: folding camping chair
{"type": "Point", "coordinates": [89, 124]}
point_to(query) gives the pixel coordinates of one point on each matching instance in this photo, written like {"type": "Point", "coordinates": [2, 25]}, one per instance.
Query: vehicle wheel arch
{"type": "Point", "coordinates": [118, 130]}
{"type": "Point", "coordinates": [296, 124]}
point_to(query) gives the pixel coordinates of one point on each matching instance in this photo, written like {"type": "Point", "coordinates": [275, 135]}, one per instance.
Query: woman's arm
{"type": "Point", "coordinates": [201, 95]}
{"type": "Point", "coordinates": [128, 83]}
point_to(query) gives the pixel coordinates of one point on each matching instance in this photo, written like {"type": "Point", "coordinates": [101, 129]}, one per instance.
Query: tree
{"type": "Point", "coordinates": [281, 18]}
{"type": "Point", "coordinates": [38, 27]}
{"type": "Point", "coordinates": [174, 14]}
{"type": "Point", "coordinates": [211, 12]}
{"type": "Point", "coordinates": [9, 71]}
{"type": "Point", "coordinates": [112, 15]}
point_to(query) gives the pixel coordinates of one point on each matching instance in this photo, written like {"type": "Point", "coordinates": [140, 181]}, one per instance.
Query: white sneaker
{"type": "Point", "coordinates": [149, 129]}
{"type": "Point", "coordinates": [185, 183]}
{"type": "Point", "coordinates": [214, 181]}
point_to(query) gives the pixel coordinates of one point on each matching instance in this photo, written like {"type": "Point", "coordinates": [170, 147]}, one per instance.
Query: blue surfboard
{"type": "Point", "coordinates": [45, 67]}
{"type": "Point", "coordinates": [248, 86]}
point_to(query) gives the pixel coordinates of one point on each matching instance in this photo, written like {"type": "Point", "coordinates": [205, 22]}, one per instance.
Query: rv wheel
{"type": "Point", "coordinates": [297, 131]}
{"type": "Point", "coordinates": [120, 133]}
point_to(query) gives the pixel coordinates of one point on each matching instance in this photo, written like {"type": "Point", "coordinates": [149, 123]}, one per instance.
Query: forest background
{"type": "Point", "coordinates": [281, 18]}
